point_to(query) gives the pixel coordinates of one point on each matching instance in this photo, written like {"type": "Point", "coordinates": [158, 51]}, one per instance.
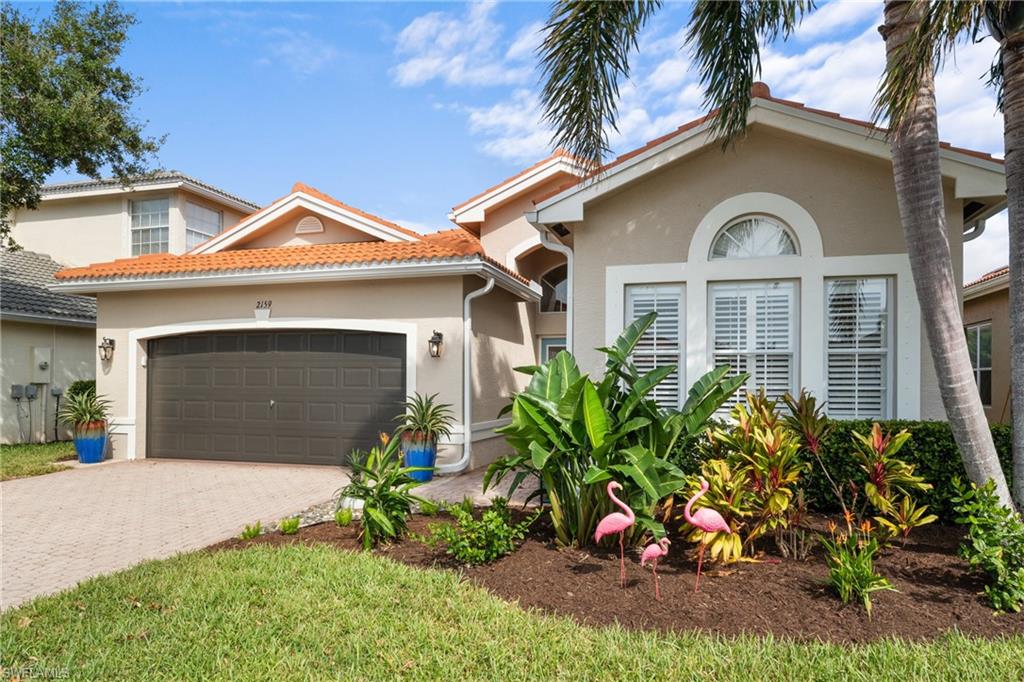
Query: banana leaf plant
{"type": "Point", "coordinates": [574, 434]}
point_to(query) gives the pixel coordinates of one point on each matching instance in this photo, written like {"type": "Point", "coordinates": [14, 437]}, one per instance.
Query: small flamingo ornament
{"type": "Point", "coordinates": [652, 553]}
{"type": "Point", "coordinates": [707, 520]}
{"type": "Point", "coordinates": [617, 523]}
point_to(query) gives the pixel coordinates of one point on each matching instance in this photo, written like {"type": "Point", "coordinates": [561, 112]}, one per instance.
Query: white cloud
{"type": "Point", "coordinates": [836, 16]}
{"type": "Point", "coordinates": [526, 42]}
{"type": "Point", "coordinates": [457, 50]}
{"type": "Point", "coordinates": [512, 128]}
{"type": "Point", "coordinates": [300, 51]}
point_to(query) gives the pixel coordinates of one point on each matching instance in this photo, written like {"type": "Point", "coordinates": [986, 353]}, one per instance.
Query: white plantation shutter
{"type": "Point", "coordinates": [662, 344]}
{"type": "Point", "coordinates": [859, 340]}
{"type": "Point", "coordinates": [753, 329]}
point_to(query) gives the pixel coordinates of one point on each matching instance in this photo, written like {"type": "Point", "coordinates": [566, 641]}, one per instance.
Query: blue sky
{"type": "Point", "coordinates": [405, 109]}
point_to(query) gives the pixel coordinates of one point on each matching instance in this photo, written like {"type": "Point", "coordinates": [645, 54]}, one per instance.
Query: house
{"type": "Point", "coordinates": [987, 325]}
{"type": "Point", "coordinates": [77, 223]}
{"type": "Point", "coordinates": [293, 335]}
{"type": "Point", "coordinates": [48, 343]}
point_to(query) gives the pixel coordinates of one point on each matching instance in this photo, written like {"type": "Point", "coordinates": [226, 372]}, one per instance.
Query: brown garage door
{"type": "Point", "coordinates": [299, 396]}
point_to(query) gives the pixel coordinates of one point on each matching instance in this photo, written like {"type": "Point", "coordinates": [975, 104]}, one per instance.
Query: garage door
{"type": "Point", "coordinates": [299, 396]}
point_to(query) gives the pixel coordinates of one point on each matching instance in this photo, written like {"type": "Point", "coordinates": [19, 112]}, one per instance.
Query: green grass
{"type": "Point", "coordinates": [34, 459]}
{"type": "Point", "coordinates": [319, 613]}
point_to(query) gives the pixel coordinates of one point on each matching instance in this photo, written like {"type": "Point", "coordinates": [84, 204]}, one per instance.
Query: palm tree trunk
{"type": "Point", "coordinates": [915, 161]}
{"type": "Point", "coordinates": [1013, 142]}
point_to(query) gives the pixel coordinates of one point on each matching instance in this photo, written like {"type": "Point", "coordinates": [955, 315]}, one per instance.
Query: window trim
{"type": "Point", "coordinates": [540, 280]}
{"type": "Point", "coordinates": [130, 208]}
{"type": "Point", "coordinates": [889, 350]}
{"type": "Point", "coordinates": [206, 237]}
{"type": "Point", "coordinates": [781, 224]}
{"type": "Point", "coordinates": [545, 341]}
{"type": "Point", "coordinates": [976, 358]}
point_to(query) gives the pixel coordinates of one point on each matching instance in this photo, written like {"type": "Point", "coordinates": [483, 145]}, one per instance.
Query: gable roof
{"type": "Point", "coordinates": [976, 172]}
{"type": "Point", "coordinates": [312, 199]}
{"type": "Point", "coordinates": [995, 280]}
{"type": "Point", "coordinates": [170, 179]}
{"type": "Point", "coordinates": [25, 278]}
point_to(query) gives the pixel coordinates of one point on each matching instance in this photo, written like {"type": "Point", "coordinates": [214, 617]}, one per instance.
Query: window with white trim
{"type": "Point", "coordinates": [754, 329]}
{"type": "Point", "coordinates": [979, 343]}
{"type": "Point", "coordinates": [555, 290]}
{"type": "Point", "coordinates": [858, 319]}
{"type": "Point", "coordinates": [201, 224]}
{"type": "Point", "coordinates": [150, 225]}
{"type": "Point", "coordinates": [663, 343]}
{"type": "Point", "coordinates": [753, 237]}
{"type": "Point", "coordinates": [550, 346]}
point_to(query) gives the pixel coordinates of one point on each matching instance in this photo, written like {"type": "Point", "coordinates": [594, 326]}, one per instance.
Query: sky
{"type": "Point", "coordinates": [406, 109]}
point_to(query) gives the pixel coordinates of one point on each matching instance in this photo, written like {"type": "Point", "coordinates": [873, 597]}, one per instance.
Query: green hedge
{"type": "Point", "coordinates": [931, 449]}
{"type": "Point", "coordinates": [81, 386]}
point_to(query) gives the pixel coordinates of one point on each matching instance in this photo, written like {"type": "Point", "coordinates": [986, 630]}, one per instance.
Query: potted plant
{"type": "Point", "coordinates": [423, 423]}
{"type": "Point", "coordinates": [86, 413]}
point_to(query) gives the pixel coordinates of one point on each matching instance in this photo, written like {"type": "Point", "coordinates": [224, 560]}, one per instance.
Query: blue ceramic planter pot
{"type": "Point", "coordinates": [419, 453]}
{"type": "Point", "coordinates": [91, 445]}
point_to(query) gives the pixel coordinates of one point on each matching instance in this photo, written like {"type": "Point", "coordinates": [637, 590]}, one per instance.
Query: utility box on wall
{"type": "Point", "coordinates": [42, 364]}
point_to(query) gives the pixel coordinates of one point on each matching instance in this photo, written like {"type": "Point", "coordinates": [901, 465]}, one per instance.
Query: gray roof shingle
{"type": "Point", "coordinates": [152, 179]}
{"type": "Point", "coordinates": [24, 278]}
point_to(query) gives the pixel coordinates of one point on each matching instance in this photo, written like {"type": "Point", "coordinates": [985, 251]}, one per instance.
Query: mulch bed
{"type": "Point", "coordinates": [789, 599]}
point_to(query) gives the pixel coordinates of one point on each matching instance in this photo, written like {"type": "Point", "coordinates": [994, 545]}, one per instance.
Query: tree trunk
{"type": "Point", "coordinates": [1013, 143]}
{"type": "Point", "coordinates": [915, 164]}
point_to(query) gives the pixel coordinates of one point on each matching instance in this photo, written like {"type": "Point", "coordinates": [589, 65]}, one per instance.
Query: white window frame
{"type": "Point", "coordinates": [148, 229]}
{"type": "Point", "coordinates": [545, 342]}
{"type": "Point", "coordinates": [722, 233]}
{"type": "Point", "coordinates": [888, 351]}
{"type": "Point", "coordinates": [678, 290]}
{"type": "Point", "coordinates": [751, 332]}
{"type": "Point", "coordinates": [200, 235]}
{"type": "Point", "coordinates": [540, 280]}
{"type": "Point", "coordinates": [975, 350]}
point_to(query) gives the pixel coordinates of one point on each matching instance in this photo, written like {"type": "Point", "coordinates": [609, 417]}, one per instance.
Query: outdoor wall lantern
{"type": "Point", "coordinates": [106, 349]}
{"type": "Point", "coordinates": [434, 343]}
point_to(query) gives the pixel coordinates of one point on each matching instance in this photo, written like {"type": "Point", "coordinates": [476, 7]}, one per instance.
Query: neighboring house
{"type": "Point", "coordinates": [48, 342]}
{"type": "Point", "coordinates": [987, 325]}
{"type": "Point", "coordinates": [78, 223]}
{"type": "Point", "coordinates": [293, 335]}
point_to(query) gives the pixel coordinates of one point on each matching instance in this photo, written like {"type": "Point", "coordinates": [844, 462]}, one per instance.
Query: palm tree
{"type": "Point", "coordinates": [916, 44]}
{"type": "Point", "coordinates": [585, 54]}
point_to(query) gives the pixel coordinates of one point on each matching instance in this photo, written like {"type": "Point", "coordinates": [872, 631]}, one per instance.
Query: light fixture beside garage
{"type": "Point", "coordinates": [106, 347]}
{"type": "Point", "coordinates": [434, 344]}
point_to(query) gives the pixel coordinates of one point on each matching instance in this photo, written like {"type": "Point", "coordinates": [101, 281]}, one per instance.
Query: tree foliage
{"type": "Point", "coordinates": [64, 101]}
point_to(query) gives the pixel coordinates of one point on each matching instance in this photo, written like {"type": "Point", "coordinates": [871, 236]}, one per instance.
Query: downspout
{"type": "Point", "coordinates": [558, 247]}
{"type": "Point", "coordinates": [974, 230]}
{"type": "Point", "coordinates": [467, 381]}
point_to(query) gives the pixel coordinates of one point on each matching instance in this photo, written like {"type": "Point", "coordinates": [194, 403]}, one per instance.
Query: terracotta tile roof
{"type": "Point", "coordinates": [759, 91]}
{"type": "Point", "coordinates": [989, 276]}
{"type": "Point", "coordinates": [559, 153]}
{"type": "Point", "coordinates": [314, 192]}
{"type": "Point", "coordinates": [453, 244]}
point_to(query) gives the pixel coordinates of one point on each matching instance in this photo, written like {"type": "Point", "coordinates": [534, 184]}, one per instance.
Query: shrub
{"type": "Point", "coordinates": [343, 517]}
{"type": "Point", "coordinates": [851, 565]}
{"type": "Point", "coordinates": [574, 434]}
{"type": "Point", "coordinates": [251, 531]}
{"type": "Point", "coordinates": [81, 386]}
{"type": "Point", "coordinates": [384, 486]}
{"type": "Point", "coordinates": [994, 543]}
{"type": "Point", "coordinates": [480, 540]}
{"type": "Point", "coordinates": [930, 449]}
{"type": "Point", "coordinates": [424, 419]}
{"type": "Point", "coordinates": [289, 526]}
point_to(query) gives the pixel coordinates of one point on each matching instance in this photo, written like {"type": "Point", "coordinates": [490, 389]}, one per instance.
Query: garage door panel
{"type": "Point", "coordinates": [210, 397]}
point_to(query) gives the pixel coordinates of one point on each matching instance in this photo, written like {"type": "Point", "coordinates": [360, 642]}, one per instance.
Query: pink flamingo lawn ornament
{"type": "Point", "coordinates": [652, 553]}
{"type": "Point", "coordinates": [617, 523]}
{"type": "Point", "coordinates": [707, 520]}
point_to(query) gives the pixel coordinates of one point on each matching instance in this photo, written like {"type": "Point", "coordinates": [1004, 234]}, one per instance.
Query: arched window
{"type": "Point", "coordinates": [753, 237]}
{"type": "Point", "coordinates": [554, 298]}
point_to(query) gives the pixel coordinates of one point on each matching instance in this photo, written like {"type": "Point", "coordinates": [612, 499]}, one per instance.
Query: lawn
{"type": "Point", "coordinates": [34, 459]}
{"type": "Point", "coordinates": [314, 612]}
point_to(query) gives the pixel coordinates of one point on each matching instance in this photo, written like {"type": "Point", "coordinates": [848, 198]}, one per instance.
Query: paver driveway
{"type": "Point", "coordinates": [61, 528]}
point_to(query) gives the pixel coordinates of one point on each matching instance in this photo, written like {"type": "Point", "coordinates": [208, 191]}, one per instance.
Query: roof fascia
{"type": "Point", "coordinates": [987, 287]}
{"type": "Point", "coordinates": [204, 192]}
{"type": "Point", "coordinates": [475, 211]}
{"type": "Point", "coordinates": [56, 320]}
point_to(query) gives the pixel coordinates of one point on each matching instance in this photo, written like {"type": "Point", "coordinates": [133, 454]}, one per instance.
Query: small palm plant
{"type": "Point", "coordinates": [424, 422]}
{"type": "Point", "coordinates": [87, 414]}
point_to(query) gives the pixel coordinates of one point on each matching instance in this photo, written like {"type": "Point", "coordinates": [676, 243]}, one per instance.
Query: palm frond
{"type": "Point", "coordinates": [584, 55]}
{"type": "Point", "coordinates": [943, 25]}
{"type": "Point", "coordinates": [725, 39]}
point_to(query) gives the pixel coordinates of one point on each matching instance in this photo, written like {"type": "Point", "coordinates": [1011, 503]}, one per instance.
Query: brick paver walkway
{"type": "Point", "coordinates": [59, 529]}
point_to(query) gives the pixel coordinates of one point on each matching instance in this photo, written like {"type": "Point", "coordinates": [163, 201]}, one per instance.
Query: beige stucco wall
{"type": "Point", "coordinates": [281, 232]}
{"type": "Point", "coordinates": [995, 308]}
{"type": "Point", "coordinates": [428, 304]}
{"type": "Point", "coordinates": [73, 354]}
{"type": "Point", "coordinates": [850, 197]}
{"type": "Point", "coordinates": [83, 230]}
{"type": "Point", "coordinates": [504, 227]}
